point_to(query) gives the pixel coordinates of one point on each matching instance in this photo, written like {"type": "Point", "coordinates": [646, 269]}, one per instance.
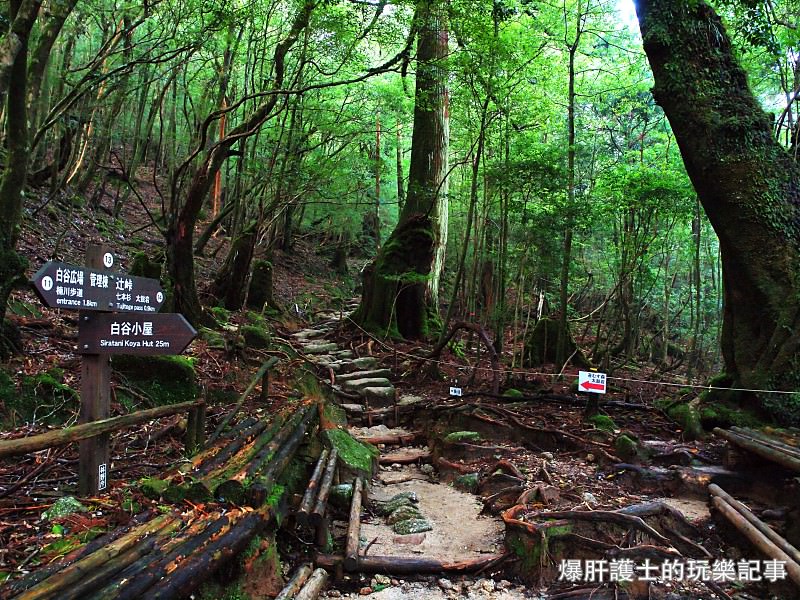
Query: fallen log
{"type": "Point", "coordinates": [408, 565]}
{"type": "Point", "coordinates": [406, 457]}
{"type": "Point", "coordinates": [312, 589]}
{"type": "Point", "coordinates": [229, 484]}
{"type": "Point", "coordinates": [300, 576]}
{"type": "Point", "coordinates": [261, 485]}
{"type": "Point", "coordinates": [233, 447]}
{"type": "Point", "coordinates": [760, 449]}
{"type": "Point", "coordinates": [190, 573]}
{"type": "Point", "coordinates": [76, 433]}
{"type": "Point", "coordinates": [351, 557]}
{"type": "Point", "coordinates": [399, 439]}
{"type": "Point", "coordinates": [758, 539]}
{"type": "Point", "coordinates": [765, 529]}
{"type": "Point", "coordinates": [229, 417]}
{"type": "Point", "coordinates": [13, 588]}
{"type": "Point", "coordinates": [132, 583]}
{"type": "Point", "coordinates": [324, 490]}
{"type": "Point", "coordinates": [54, 586]}
{"type": "Point", "coordinates": [310, 495]}
{"type": "Point", "coordinates": [767, 441]}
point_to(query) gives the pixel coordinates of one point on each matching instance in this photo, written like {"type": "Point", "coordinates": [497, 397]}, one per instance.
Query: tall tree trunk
{"type": "Point", "coordinates": [747, 183]}
{"type": "Point", "coordinates": [13, 179]}
{"type": "Point", "coordinates": [401, 286]}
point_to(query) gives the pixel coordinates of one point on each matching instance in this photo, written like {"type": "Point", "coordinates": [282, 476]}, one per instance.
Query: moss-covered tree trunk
{"type": "Point", "coordinates": [401, 286]}
{"type": "Point", "coordinates": [16, 167]}
{"type": "Point", "coordinates": [748, 184]}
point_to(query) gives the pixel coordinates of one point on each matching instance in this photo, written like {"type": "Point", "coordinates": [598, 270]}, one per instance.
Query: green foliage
{"type": "Point", "coordinates": [603, 422]}
{"type": "Point", "coordinates": [163, 379]}
{"type": "Point", "coordinates": [462, 436]}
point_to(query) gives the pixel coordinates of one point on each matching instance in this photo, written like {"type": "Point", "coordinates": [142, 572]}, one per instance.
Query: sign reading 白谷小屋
{"type": "Point", "coordinates": [109, 333]}
{"type": "Point", "coordinates": [79, 288]}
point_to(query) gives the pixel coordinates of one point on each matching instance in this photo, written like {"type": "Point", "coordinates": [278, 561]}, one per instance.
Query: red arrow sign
{"type": "Point", "coordinates": [588, 385]}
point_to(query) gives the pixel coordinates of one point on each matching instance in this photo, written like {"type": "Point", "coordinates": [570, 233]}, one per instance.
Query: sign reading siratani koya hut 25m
{"type": "Point", "coordinates": [79, 288]}
{"type": "Point", "coordinates": [114, 333]}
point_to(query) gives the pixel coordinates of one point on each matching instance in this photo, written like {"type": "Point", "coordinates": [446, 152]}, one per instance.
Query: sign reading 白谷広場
{"type": "Point", "coordinates": [79, 288]}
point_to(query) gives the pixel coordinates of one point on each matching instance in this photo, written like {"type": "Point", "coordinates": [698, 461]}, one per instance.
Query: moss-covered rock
{"type": "Point", "coordinates": [626, 447]}
{"type": "Point", "coordinates": [404, 513]}
{"type": "Point", "coordinates": [603, 422]}
{"type": "Point", "coordinates": [260, 293]}
{"type": "Point", "coordinates": [462, 436]}
{"type": "Point", "coordinates": [412, 526]}
{"type": "Point", "coordinates": [256, 337]}
{"type": "Point", "coordinates": [213, 338]}
{"type": "Point", "coordinates": [222, 315]}
{"type": "Point", "coordinates": [63, 507]}
{"type": "Point", "coordinates": [358, 457]}
{"type": "Point", "coordinates": [163, 379]}
{"type": "Point", "coordinates": [468, 482]}
{"type": "Point", "coordinates": [513, 393]}
{"type": "Point", "coordinates": [688, 418]}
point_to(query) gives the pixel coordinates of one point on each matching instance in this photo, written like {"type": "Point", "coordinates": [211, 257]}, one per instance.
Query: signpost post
{"type": "Point", "coordinates": [118, 315]}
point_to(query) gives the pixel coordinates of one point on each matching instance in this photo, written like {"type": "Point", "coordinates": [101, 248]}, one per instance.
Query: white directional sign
{"type": "Point", "coordinates": [590, 381]}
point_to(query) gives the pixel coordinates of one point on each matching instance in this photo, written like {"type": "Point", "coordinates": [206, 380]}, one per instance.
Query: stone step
{"type": "Point", "coordinates": [344, 354]}
{"type": "Point", "coordinates": [307, 334]}
{"type": "Point", "coordinates": [355, 385]}
{"type": "Point", "coordinates": [349, 366]}
{"type": "Point", "coordinates": [385, 373]}
{"type": "Point", "coordinates": [378, 397]}
{"type": "Point", "coordinates": [322, 348]}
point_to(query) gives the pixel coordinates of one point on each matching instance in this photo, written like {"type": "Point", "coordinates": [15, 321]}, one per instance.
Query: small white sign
{"type": "Point", "coordinates": [590, 381]}
{"type": "Point", "coordinates": [159, 297]}
{"type": "Point", "coordinates": [47, 283]}
{"type": "Point", "coordinates": [108, 260]}
{"type": "Point", "coordinates": [102, 479]}
{"type": "Point", "coordinates": [454, 391]}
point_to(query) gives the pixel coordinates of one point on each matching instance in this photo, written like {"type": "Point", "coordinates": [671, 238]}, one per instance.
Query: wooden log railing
{"type": "Point", "coordinates": [67, 435]}
{"type": "Point", "coordinates": [760, 448]}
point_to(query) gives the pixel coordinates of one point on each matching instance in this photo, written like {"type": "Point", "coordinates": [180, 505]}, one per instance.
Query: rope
{"type": "Point", "coordinates": [555, 375]}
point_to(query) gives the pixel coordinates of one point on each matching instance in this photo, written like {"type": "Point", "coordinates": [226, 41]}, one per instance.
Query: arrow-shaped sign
{"type": "Point", "coordinates": [109, 333]}
{"type": "Point", "coordinates": [592, 381]}
{"type": "Point", "coordinates": [79, 288]}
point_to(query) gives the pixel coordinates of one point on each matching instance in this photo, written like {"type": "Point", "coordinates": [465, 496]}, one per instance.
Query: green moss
{"type": "Point", "coordinates": [163, 379]}
{"type": "Point", "coordinates": [356, 455]}
{"type": "Point", "coordinates": [462, 436]}
{"type": "Point", "coordinates": [468, 482]}
{"type": "Point", "coordinates": [626, 447]}
{"type": "Point", "coordinates": [220, 314]}
{"type": "Point", "coordinates": [41, 397]}
{"type": "Point", "coordinates": [143, 265]}
{"type": "Point", "coordinates": [721, 415]}
{"type": "Point", "coordinates": [513, 393]}
{"type": "Point", "coordinates": [334, 414]}
{"type": "Point", "coordinates": [688, 418]}
{"type": "Point", "coordinates": [603, 422]}
{"type": "Point", "coordinates": [256, 337]}
{"type": "Point", "coordinates": [214, 339]}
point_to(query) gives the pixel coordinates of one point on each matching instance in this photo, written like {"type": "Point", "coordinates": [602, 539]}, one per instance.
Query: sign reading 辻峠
{"type": "Point", "coordinates": [589, 381]}
{"type": "Point", "coordinates": [110, 333]}
{"type": "Point", "coordinates": [79, 288]}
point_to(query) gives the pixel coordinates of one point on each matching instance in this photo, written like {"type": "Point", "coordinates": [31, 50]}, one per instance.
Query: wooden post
{"type": "Point", "coordinates": [195, 429]}
{"type": "Point", "coordinates": [354, 528]}
{"type": "Point", "coordinates": [94, 467]}
{"type": "Point", "coordinates": [265, 386]}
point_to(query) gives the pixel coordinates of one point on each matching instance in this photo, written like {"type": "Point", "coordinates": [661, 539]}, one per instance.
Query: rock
{"type": "Point", "coordinates": [408, 399]}
{"type": "Point", "coordinates": [380, 580]}
{"type": "Point", "coordinates": [384, 373]}
{"type": "Point", "coordinates": [319, 348]}
{"type": "Point", "coordinates": [445, 584]}
{"type": "Point", "coordinates": [379, 397]}
{"type": "Point", "coordinates": [341, 495]}
{"type": "Point", "coordinates": [486, 585]}
{"type": "Point", "coordinates": [547, 455]}
{"type": "Point", "coordinates": [412, 539]}
{"type": "Point", "coordinates": [503, 584]}
{"type": "Point", "coordinates": [365, 591]}
{"type": "Point", "coordinates": [462, 436]}
{"type": "Point", "coordinates": [334, 594]}
{"type": "Point", "coordinates": [468, 482]}
{"type": "Point", "coordinates": [427, 469]}
{"type": "Point", "coordinates": [355, 385]}
{"type": "Point", "coordinates": [589, 498]}
{"type": "Point", "coordinates": [404, 513]}
{"type": "Point", "coordinates": [62, 507]}
{"type": "Point", "coordinates": [412, 526]}
{"type": "Point", "coordinates": [344, 354]}
{"type": "Point", "coordinates": [307, 334]}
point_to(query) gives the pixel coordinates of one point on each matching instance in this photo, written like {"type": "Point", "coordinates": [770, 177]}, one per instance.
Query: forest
{"type": "Point", "coordinates": [358, 206]}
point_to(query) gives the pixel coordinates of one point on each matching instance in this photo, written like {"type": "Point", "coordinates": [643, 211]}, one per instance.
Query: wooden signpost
{"type": "Point", "coordinates": [134, 327]}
